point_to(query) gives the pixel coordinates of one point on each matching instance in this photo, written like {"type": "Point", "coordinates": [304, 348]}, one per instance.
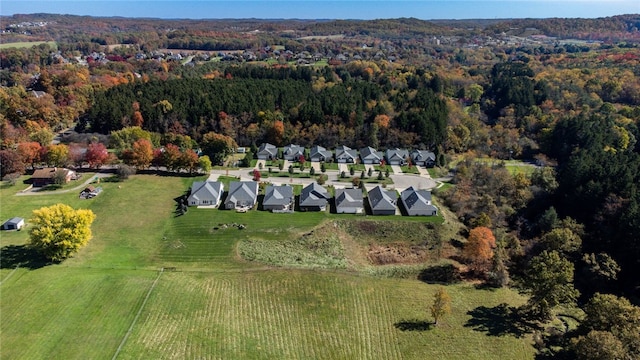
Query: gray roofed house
{"type": "Point", "coordinates": [267, 151]}
{"type": "Point", "coordinates": [242, 195]}
{"type": "Point", "coordinates": [314, 198]}
{"type": "Point", "coordinates": [349, 201]}
{"type": "Point", "coordinates": [278, 198]}
{"type": "Point", "coordinates": [418, 202]}
{"type": "Point", "coordinates": [319, 153]}
{"type": "Point", "coordinates": [15, 223]}
{"type": "Point", "coordinates": [205, 193]}
{"type": "Point", "coordinates": [345, 154]}
{"type": "Point", "coordinates": [423, 158]}
{"type": "Point", "coordinates": [396, 156]}
{"type": "Point", "coordinates": [369, 155]}
{"type": "Point", "coordinates": [382, 202]}
{"type": "Point", "coordinates": [292, 152]}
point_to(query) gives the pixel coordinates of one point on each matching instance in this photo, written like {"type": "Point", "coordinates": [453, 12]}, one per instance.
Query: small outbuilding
{"type": "Point", "coordinates": [15, 223]}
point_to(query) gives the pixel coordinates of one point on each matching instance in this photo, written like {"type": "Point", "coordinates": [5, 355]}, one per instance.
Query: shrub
{"type": "Point", "coordinates": [124, 171]}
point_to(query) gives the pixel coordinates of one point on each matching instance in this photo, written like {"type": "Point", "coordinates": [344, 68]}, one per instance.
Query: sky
{"type": "Point", "coordinates": [327, 9]}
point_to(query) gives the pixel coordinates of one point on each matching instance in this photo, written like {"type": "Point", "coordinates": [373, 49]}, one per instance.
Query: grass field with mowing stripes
{"type": "Point", "coordinates": [294, 314]}
{"type": "Point", "coordinates": [69, 313]}
{"type": "Point", "coordinates": [212, 304]}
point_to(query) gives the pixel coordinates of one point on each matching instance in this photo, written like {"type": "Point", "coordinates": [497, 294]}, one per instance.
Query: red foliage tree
{"type": "Point", "coordinates": [96, 155]}
{"type": "Point", "coordinates": [171, 157]}
{"type": "Point", "coordinates": [158, 158]}
{"type": "Point", "coordinates": [256, 175]}
{"type": "Point", "coordinates": [10, 163]}
{"type": "Point", "coordinates": [189, 160]}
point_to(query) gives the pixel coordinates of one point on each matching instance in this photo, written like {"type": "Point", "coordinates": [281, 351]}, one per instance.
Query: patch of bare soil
{"type": "Point", "coordinates": [398, 254]}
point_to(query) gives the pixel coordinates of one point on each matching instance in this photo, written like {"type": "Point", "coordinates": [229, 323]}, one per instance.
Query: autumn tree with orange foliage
{"type": "Point", "coordinates": [141, 154]}
{"type": "Point", "coordinates": [479, 248]}
{"type": "Point", "coordinates": [275, 133]}
{"type": "Point", "coordinates": [382, 120]}
{"type": "Point", "coordinates": [189, 160]}
{"type": "Point", "coordinates": [30, 152]}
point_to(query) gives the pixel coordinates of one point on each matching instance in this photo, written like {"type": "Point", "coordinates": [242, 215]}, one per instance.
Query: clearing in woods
{"type": "Point", "coordinates": [210, 303]}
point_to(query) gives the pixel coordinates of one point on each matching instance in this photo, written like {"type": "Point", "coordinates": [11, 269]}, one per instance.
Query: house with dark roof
{"type": "Point", "coordinates": [382, 202]}
{"type": "Point", "coordinates": [346, 155]}
{"type": "Point", "coordinates": [242, 196]}
{"type": "Point", "coordinates": [47, 176]}
{"type": "Point", "coordinates": [205, 193]}
{"type": "Point", "coordinates": [369, 155]}
{"type": "Point", "coordinates": [267, 151]}
{"type": "Point", "coordinates": [314, 197]}
{"type": "Point", "coordinates": [278, 198]}
{"type": "Point", "coordinates": [349, 201]}
{"type": "Point", "coordinates": [418, 202]}
{"type": "Point", "coordinates": [15, 223]}
{"type": "Point", "coordinates": [423, 158]}
{"type": "Point", "coordinates": [292, 152]}
{"type": "Point", "coordinates": [320, 154]}
{"type": "Point", "coordinates": [396, 156]}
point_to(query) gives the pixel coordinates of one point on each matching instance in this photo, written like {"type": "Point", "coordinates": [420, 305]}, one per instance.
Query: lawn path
{"type": "Point", "coordinates": [8, 276]}
{"type": "Point", "coordinates": [135, 319]}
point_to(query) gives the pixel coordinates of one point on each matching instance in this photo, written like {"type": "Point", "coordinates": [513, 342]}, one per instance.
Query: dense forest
{"type": "Point", "coordinates": [560, 94]}
{"type": "Point", "coordinates": [342, 113]}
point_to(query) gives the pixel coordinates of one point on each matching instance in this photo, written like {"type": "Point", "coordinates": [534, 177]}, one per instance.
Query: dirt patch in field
{"type": "Point", "coordinates": [398, 254]}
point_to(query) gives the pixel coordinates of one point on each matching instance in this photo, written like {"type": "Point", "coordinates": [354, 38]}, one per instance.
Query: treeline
{"type": "Point", "coordinates": [615, 28]}
{"type": "Point", "coordinates": [353, 112]}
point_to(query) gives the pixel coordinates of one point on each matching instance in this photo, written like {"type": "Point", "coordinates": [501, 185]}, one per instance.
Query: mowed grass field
{"type": "Point", "coordinates": [27, 44]}
{"type": "Point", "coordinates": [113, 301]}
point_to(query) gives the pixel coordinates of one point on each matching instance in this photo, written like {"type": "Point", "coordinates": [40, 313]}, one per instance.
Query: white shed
{"type": "Point", "coordinates": [15, 223]}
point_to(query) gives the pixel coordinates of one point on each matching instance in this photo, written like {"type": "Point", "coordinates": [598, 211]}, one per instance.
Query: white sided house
{"type": "Point", "coordinates": [205, 193]}
{"type": "Point", "coordinates": [242, 196]}
{"type": "Point", "coordinates": [349, 201]}
{"type": "Point", "coordinates": [278, 199]}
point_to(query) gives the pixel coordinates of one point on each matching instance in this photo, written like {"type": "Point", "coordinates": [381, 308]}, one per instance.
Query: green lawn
{"type": "Point", "coordinates": [28, 44]}
{"type": "Point", "coordinates": [210, 303]}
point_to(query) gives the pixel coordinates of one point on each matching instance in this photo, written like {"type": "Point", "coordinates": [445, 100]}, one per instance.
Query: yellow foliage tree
{"type": "Point", "coordinates": [59, 231]}
{"type": "Point", "coordinates": [441, 305]}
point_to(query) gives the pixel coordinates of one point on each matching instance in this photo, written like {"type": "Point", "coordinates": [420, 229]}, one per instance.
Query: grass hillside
{"type": "Point", "coordinates": [112, 300]}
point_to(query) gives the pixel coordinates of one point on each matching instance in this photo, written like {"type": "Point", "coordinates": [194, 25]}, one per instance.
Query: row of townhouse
{"type": "Point", "coordinates": [344, 154]}
{"type": "Point", "coordinates": [243, 196]}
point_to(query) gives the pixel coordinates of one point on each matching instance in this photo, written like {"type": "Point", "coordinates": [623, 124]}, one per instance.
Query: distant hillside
{"type": "Point", "coordinates": [117, 29]}
{"type": "Point", "coordinates": [382, 28]}
{"type": "Point", "coordinates": [616, 28]}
